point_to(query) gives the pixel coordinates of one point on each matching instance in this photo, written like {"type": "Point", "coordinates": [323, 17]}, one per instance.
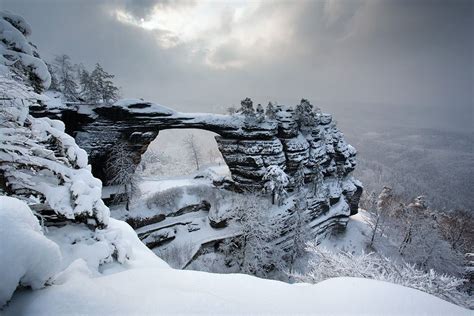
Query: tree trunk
{"type": "Point", "coordinates": [374, 231]}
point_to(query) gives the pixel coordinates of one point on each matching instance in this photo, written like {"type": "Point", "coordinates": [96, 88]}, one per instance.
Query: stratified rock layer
{"type": "Point", "coordinates": [249, 145]}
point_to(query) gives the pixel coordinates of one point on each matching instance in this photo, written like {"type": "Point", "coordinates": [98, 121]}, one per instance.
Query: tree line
{"type": "Point", "coordinates": [78, 84]}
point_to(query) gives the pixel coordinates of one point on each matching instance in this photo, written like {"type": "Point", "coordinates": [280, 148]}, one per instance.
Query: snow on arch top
{"type": "Point", "coordinates": [141, 106]}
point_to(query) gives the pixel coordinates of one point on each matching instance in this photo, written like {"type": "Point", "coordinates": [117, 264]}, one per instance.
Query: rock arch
{"type": "Point", "coordinates": [248, 145]}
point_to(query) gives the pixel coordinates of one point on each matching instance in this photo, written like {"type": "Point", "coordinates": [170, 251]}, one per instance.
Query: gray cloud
{"type": "Point", "coordinates": [340, 54]}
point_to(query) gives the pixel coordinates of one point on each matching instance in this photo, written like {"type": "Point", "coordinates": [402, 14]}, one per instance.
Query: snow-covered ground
{"type": "Point", "coordinates": [146, 285]}
{"type": "Point", "coordinates": [354, 239]}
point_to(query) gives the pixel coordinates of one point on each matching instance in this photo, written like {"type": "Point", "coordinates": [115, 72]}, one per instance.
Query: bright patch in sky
{"type": "Point", "coordinates": [224, 34]}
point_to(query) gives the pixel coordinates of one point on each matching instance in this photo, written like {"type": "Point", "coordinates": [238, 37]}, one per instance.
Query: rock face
{"type": "Point", "coordinates": [303, 142]}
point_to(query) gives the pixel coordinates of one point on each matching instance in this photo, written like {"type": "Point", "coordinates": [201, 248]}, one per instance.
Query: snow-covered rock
{"type": "Point", "coordinates": [17, 52]}
{"type": "Point", "coordinates": [248, 146]}
{"type": "Point", "coordinates": [43, 165]}
{"type": "Point", "coordinates": [27, 257]}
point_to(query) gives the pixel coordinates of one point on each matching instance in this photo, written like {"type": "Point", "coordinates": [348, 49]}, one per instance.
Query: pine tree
{"type": "Point", "coordinates": [67, 81]}
{"type": "Point", "coordinates": [121, 171]}
{"type": "Point", "coordinates": [246, 108]}
{"type": "Point", "coordinates": [85, 82]}
{"type": "Point", "coordinates": [102, 87]}
{"type": "Point", "coordinates": [276, 181]}
{"type": "Point", "coordinates": [304, 115]}
{"type": "Point", "coordinates": [258, 254]}
{"type": "Point", "coordinates": [270, 111]}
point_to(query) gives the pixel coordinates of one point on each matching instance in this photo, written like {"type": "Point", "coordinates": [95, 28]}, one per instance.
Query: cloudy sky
{"type": "Point", "coordinates": [207, 55]}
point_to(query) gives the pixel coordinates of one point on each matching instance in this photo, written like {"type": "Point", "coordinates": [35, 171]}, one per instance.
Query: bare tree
{"type": "Point", "coordinates": [456, 227]}
{"type": "Point", "coordinates": [414, 230]}
{"type": "Point", "coordinates": [380, 209]}
{"type": "Point", "coordinates": [190, 142]}
{"type": "Point", "coordinates": [325, 264]}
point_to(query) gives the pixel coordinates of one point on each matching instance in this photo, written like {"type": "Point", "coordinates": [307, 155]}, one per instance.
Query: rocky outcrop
{"type": "Point", "coordinates": [42, 165]}
{"type": "Point", "coordinates": [302, 141]}
{"type": "Point", "coordinates": [247, 144]}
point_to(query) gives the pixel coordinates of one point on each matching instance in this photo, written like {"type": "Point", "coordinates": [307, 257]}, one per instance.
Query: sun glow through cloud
{"type": "Point", "coordinates": [224, 34]}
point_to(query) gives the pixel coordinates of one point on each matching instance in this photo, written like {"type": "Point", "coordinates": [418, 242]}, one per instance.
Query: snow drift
{"type": "Point", "coordinates": [27, 256]}
{"type": "Point", "coordinates": [146, 285]}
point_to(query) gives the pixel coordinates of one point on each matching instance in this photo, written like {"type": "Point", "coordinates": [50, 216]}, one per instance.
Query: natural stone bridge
{"type": "Point", "coordinates": [249, 145]}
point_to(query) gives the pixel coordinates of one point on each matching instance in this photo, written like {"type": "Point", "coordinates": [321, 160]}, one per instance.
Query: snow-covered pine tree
{"type": "Point", "coordinates": [111, 92]}
{"type": "Point", "coordinates": [304, 115]}
{"type": "Point", "coordinates": [121, 171]}
{"type": "Point", "coordinates": [270, 111]}
{"type": "Point", "coordinates": [102, 87]}
{"type": "Point", "coordinates": [246, 108]}
{"type": "Point", "coordinates": [276, 181]}
{"type": "Point", "coordinates": [258, 255]}
{"type": "Point", "coordinates": [87, 87]}
{"type": "Point", "coordinates": [65, 72]}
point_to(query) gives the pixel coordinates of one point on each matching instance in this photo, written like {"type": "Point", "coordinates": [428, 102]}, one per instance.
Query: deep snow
{"type": "Point", "coordinates": [146, 285]}
{"type": "Point", "coordinates": [26, 255]}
